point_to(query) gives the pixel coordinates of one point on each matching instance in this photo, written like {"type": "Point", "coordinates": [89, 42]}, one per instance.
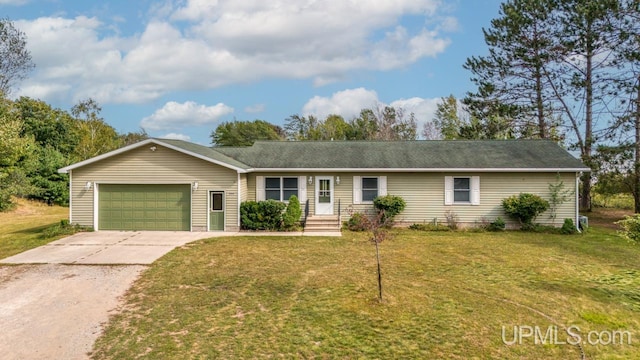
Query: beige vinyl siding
{"type": "Point", "coordinates": [163, 166]}
{"type": "Point", "coordinates": [244, 191]}
{"type": "Point", "coordinates": [424, 194]}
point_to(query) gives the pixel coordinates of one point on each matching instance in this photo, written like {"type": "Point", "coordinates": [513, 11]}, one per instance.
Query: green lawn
{"type": "Point", "coordinates": [21, 229]}
{"type": "Point", "coordinates": [447, 295]}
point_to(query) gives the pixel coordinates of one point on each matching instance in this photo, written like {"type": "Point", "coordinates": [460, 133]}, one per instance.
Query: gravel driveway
{"type": "Point", "coordinates": [56, 311]}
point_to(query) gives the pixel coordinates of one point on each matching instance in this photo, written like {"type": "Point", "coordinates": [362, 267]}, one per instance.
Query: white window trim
{"type": "Point", "coordinates": [474, 191]}
{"type": "Point", "coordinates": [261, 188]}
{"type": "Point", "coordinates": [357, 188]}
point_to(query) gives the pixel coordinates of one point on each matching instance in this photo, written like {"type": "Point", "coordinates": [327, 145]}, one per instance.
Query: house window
{"type": "Point", "coordinates": [461, 190]}
{"type": "Point", "coordinates": [369, 188]}
{"type": "Point", "coordinates": [464, 190]}
{"type": "Point", "coordinates": [280, 188]}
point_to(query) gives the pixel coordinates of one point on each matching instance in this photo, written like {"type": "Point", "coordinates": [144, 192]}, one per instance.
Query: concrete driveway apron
{"type": "Point", "coordinates": [108, 248]}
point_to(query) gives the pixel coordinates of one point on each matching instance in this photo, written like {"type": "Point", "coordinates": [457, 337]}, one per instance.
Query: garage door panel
{"type": "Point", "coordinates": [144, 207]}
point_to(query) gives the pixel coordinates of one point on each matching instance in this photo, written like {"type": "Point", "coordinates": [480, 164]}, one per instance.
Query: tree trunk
{"type": "Point", "coordinates": [636, 174]}
{"type": "Point", "coordinates": [542, 124]}
{"type": "Point", "coordinates": [379, 272]}
{"type": "Point", "coordinates": [585, 201]}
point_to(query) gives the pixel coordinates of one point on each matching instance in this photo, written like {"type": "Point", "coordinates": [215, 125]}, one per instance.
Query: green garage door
{"type": "Point", "coordinates": [144, 207]}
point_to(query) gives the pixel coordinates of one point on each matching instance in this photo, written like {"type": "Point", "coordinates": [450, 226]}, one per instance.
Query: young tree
{"type": "Point", "coordinates": [15, 59]}
{"type": "Point", "coordinates": [378, 227]}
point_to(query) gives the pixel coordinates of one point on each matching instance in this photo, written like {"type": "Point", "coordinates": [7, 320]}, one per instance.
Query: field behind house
{"type": "Point", "coordinates": [447, 295]}
{"type": "Point", "coordinates": [21, 228]}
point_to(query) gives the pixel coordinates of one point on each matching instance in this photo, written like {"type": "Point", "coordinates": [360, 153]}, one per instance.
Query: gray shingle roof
{"type": "Point", "coordinates": [205, 151]}
{"type": "Point", "coordinates": [427, 154]}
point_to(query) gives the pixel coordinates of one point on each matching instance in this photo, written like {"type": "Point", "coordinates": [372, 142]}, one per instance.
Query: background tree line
{"type": "Point", "coordinates": [36, 140]}
{"type": "Point", "coordinates": [566, 70]}
{"type": "Point", "coordinates": [379, 123]}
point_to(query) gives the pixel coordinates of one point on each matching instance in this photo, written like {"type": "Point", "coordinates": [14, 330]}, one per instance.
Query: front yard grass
{"type": "Point", "coordinates": [21, 229]}
{"type": "Point", "coordinates": [447, 295]}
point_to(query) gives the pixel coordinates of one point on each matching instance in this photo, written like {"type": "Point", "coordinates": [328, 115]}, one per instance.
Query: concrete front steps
{"type": "Point", "coordinates": [322, 223]}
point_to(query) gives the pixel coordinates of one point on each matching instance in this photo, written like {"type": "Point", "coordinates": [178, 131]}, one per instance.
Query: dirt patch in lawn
{"type": "Point", "coordinates": [605, 217]}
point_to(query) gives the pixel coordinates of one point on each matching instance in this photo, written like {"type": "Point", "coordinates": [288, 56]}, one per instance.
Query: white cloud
{"type": "Point", "coordinates": [13, 2]}
{"type": "Point", "coordinates": [204, 44]}
{"type": "Point", "coordinates": [71, 61]}
{"type": "Point", "coordinates": [449, 24]}
{"type": "Point", "coordinates": [423, 109]}
{"type": "Point", "coordinates": [256, 108]}
{"type": "Point", "coordinates": [174, 115]}
{"type": "Point", "coordinates": [177, 136]}
{"type": "Point", "coordinates": [348, 104]}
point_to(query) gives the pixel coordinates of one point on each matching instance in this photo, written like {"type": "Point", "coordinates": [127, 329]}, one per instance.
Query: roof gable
{"type": "Point", "coordinates": [191, 149]}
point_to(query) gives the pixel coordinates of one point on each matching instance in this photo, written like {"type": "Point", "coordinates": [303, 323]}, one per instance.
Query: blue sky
{"type": "Point", "coordinates": [178, 68]}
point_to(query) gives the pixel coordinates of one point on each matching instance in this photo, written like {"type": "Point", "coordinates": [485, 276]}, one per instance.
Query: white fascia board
{"type": "Point", "coordinates": [143, 143]}
{"type": "Point", "coordinates": [105, 155]}
{"type": "Point", "coordinates": [439, 170]}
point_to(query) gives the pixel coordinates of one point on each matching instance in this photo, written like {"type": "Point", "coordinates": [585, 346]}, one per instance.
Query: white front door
{"type": "Point", "coordinates": [324, 195]}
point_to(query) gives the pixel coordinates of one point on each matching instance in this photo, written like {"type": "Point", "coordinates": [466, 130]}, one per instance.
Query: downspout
{"type": "Point", "coordinates": [239, 201]}
{"type": "Point", "coordinates": [70, 196]}
{"type": "Point", "coordinates": [577, 191]}
{"type": "Point", "coordinates": [95, 206]}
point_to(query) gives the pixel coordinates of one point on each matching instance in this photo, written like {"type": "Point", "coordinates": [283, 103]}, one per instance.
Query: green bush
{"type": "Point", "coordinates": [390, 205]}
{"type": "Point", "coordinates": [291, 216]}
{"type": "Point", "coordinates": [357, 222]}
{"type": "Point", "coordinates": [5, 201]}
{"type": "Point", "coordinates": [261, 215]}
{"type": "Point", "coordinates": [497, 225]}
{"type": "Point", "coordinates": [568, 227]}
{"type": "Point", "coordinates": [524, 208]}
{"type": "Point", "coordinates": [630, 228]}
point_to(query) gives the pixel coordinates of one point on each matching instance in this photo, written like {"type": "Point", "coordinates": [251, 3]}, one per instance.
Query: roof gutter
{"type": "Point", "coordinates": [405, 170]}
